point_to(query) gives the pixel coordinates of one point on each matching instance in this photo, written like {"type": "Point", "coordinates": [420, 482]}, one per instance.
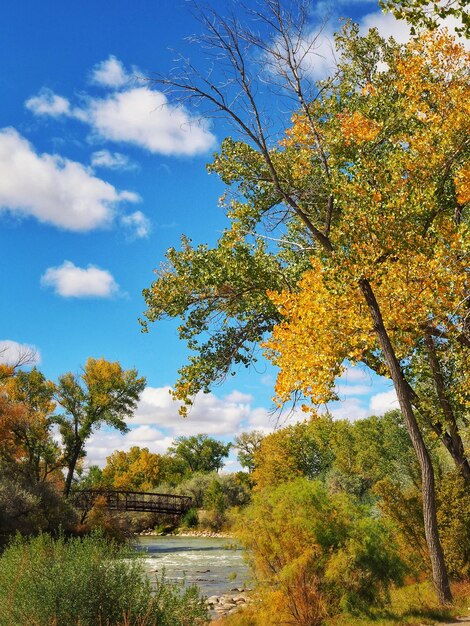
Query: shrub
{"type": "Point", "coordinates": [454, 524]}
{"type": "Point", "coordinates": [320, 552]}
{"type": "Point", "coordinates": [87, 582]}
{"type": "Point", "coordinates": [30, 509]}
{"type": "Point", "coordinates": [190, 518]}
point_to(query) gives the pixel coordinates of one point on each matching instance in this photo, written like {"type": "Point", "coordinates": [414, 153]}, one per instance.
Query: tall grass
{"type": "Point", "coordinates": [87, 582]}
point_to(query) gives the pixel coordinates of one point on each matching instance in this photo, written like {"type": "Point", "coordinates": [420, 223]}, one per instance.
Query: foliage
{"type": "Point", "coordinates": [103, 394]}
{"type": "Point", "coordinates": [371, 262]}
{"type": "Point", "coordinates": [87, 581]}
{"type": "Point", "coordinates": [27, 449]}
{"type": "Point", "coordinates": [190, 518]}
{"type": "Point", "coordinates": [318, 551]}
{"type": "Point", "coordinates": [29, 509]}
{"type": "Point", "coordinates": [137, 469]}
{"type": "Point", "coordinates": [454, 522]}
{"type": "Point", "coordinates": [421, 13]}
{"type": "Point", "coordinates": [235, 492]}
{"type": "Point", "coordinates": [172, 470]}
{"type": "Point", "coordinates": [200, 453]}
{"type": "Point", "coordinates": [288, 453]}
{"type": "Point", "coordinates": [248, 444]}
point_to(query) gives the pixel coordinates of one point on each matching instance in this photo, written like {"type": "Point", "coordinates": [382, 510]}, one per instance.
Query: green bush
{"type": "Point", "coordinates": [87, 582]}
{"type": "Point", "coordinates": [190, 518]}
{"type": "Point", "coordinates": [318, 552]}
{"type": "Point", "coordinates": [30, 509]}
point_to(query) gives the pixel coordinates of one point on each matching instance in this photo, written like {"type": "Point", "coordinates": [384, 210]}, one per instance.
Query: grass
{"type": "Point", "coordinates": [412, 605]}
{"type": "Point", "coordinates": [87, 582]}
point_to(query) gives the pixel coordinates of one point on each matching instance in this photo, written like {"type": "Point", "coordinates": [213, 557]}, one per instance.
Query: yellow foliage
{"type": "Point", "coordinates": [392, 227]}
{"type": "Point", "coordinates": [356, 128]}
{"type": "Point", "coordinates": [137, 469]}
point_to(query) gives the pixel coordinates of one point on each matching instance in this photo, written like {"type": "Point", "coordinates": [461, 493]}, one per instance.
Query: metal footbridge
{"type": "Point", "coordinates": [131, 501]}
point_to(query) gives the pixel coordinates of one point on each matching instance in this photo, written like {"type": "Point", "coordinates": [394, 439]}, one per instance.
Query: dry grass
{"type": "Point", "coordinates": [413, 605]}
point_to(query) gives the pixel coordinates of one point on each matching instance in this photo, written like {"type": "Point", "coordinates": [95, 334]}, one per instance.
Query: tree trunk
{"type": "Point", "coordinates": [439, 570]}
{"type": "Point", "coordinates": [451, 435]}
{"type": "Point", "coordinates": [70, 472]}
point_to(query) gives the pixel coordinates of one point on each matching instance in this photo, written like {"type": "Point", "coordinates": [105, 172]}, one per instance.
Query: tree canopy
{"type": "Point", "coordinates": [104, 393]}
{"type": "Point", "coordinates": [200, 453]}
{"type": "Point", "coordinates": [362, 251]}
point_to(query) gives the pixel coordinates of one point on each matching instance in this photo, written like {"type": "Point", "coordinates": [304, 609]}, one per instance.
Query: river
{"type": "Point", "coordinates": [211, 563]}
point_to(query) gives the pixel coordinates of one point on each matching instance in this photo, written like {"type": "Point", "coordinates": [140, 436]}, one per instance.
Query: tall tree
{"type": "Point", "coordinates": [200, 453]}
{"type": "Point", "coordinates": [103, 393]}
{"type": "Point", "coordinates": [137, 469]}
{"type": "Point", "coordinates": [378, 241]}
{"type": "Point", "coordinates": [26, 418]}
{"type": "Point", "coordinates": [248, 444]}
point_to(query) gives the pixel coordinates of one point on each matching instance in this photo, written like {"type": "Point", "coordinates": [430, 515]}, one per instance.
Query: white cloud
{"type": "Point", "coordinates": [103, 443]}
{"type": "Point", "coordinates": [111, 160]}
{"type": "Point", "coordinates": [209, 414]}
{"type": "Point", "coordinates": [156, 421]}
{"type": "Point", "coordinates": [145, 118]}
{"type": "Point", "coordinates": [387, 25]}
{"type": "Point", "coordinates": [110, 73]}
{"type": "Point", "coordinates": [383, 402]}
{"type": "Point", "coordinates": [48, 103]}
{"type": "Point", "coordinates": [350, 409]}
{"type": "Point", "coordinates": [53, 189]}
{"type": "Point", "coordinates": [137, 116]}
{"type": "Point", "coordinates": [138, 224]}
{"type": "Point", "coordinates": [356, 374]}
{"type": "Point", "coordinates": [70, 281]}
{"type": "Point", "coordinates": [12, 352]}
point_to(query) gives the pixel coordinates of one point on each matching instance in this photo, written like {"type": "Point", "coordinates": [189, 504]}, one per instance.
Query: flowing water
{"type": "Point", "coordinates": [214, 564]}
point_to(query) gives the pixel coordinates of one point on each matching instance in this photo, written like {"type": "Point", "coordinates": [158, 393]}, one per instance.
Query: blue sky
{"type": "Point", "coordinates": [100, 175]}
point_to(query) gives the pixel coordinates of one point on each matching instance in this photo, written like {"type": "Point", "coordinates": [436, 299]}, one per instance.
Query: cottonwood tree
{"type": "Point", "coordinates": [248, 444]}
{"type": "Point", "coordinates": [104, 393]}
{"type": "Point", "coordinates": [200, 453]}
{"type": "Point", "coordinates": [28, 451]}
{"type": "Point", "coordinates": [370, 263]}
{"type": "Point", "coordinates": [137, 469]}
{"type": "Point", "coordinates": [421, 13]}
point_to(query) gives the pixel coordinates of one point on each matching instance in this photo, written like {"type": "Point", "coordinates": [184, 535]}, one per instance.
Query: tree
{"type": "Point", "coordinates": [289, 453]}
{"type": "Point", "coordinates": [200, 453]}
{"type": "Point", "coordinates": [26, 409]}
{"type": "Point", "coordinates": [358, 220]}
{"type": "Point", "coordinates": [103, 394]}
{"type": "Point", "coordinates": [422, 13]}
{"type": "Point", "coordinates": [137, 469]}
{"type": "Point", "coordinates": [247, 445]}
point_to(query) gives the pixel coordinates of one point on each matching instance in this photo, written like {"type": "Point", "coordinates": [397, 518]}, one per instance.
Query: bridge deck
{"type": "Point", "coordinates": [133, 501]}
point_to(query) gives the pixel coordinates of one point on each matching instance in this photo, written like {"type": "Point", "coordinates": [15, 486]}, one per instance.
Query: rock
{"type": "Point", "coordinates": [240, 599]}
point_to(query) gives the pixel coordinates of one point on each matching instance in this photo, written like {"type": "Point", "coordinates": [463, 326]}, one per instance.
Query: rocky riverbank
{"type": "Point", "coordinates": [228, 603]}
{"type": "Point", "coordinates": [150, 532]}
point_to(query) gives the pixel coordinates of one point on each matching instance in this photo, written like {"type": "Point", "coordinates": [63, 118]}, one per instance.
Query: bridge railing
{"type": "Point", "coordinates": [116, 500]}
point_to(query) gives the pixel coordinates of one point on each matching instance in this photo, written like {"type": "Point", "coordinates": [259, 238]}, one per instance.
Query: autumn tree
{"type": "Point", "coordinates": [247, 444]}
{"type": "Point", "coordinates": [370, 262]}
{"type": "Point", "coordinates": [104, 393]}
{"type": "Point", "coordinates": [421, 13]}
{"type": "Point", "coordinates": [26, 417]}
{"type": "Point", "coordinates": [289, 453]}
{"type": "Point", "coordinates": [200, 453]}
{"type": "Point", "coordinates": [137, 469]}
